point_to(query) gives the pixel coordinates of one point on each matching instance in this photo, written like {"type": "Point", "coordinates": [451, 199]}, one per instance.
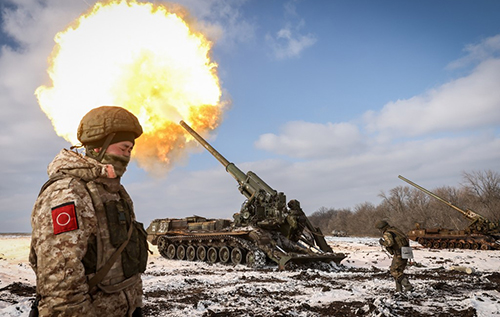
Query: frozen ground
{"type": "Point", "coordinates": [361, 286]}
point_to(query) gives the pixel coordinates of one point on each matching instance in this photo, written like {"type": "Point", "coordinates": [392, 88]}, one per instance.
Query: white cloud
{"type": "Point", "coordinates": [463, 104]}
{"type": "Point", "coordinates": [313, 140]}
{"type": "Point", "coordinates": [221, 21]}
{"type": "Point", "coordinates": [339, 182]}
{"type": "Point", "coordinates": [289, 42]}
{"type": "Point", "coordinates": [469, 104]}
{"type": "Point", "coordinates": [34, 23]}
{"type": "Point", "coordinates": [487, 48]}
{"type": "Point", "coordinates": [27, 139]}
{"type": "Point", "coordinates": [209, 193]}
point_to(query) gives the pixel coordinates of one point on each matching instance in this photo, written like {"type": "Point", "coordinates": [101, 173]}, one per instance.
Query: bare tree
{"type": "Point", "coordinates": [484, 192]}
{"type": "Point", "coordinates": [404, 206]}
{"type": "Point", "coordinates": [363, 220]}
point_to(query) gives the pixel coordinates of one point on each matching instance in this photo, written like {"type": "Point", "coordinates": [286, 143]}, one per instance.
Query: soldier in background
{"type": "Point", "coordinates": [87, 249]}
{"type": "Point", "coordinates": [296, 220]}
{"type": "Point", "coordinates": [393, 240]}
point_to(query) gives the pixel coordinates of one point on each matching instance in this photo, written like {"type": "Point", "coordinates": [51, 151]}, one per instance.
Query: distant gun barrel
{"type": "Point", "coordinates": [249, 183]}
{"type": "Point", "coordinates": [469, 214]}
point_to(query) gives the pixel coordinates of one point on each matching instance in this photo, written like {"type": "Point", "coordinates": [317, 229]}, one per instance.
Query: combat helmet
{"type": "Point", "coordinates": [105, 125]}
{"type": "Point", "coordinates": [381, 224]}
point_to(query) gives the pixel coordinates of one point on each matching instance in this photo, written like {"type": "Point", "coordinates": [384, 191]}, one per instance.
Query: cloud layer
{"type": "Point", "coordinates": [430, 138]}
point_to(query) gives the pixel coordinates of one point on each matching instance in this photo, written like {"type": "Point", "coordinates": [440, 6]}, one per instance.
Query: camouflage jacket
{"type": "Point", "coordinates": [393, 240]}
{"type": "Point", "coordinates": [71, 241]}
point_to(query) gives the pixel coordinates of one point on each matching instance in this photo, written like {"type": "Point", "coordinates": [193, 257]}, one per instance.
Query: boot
{"type": "Point", "coordinates": [399, 287]}
{"type": "Point", "coordinates": [406, 284]}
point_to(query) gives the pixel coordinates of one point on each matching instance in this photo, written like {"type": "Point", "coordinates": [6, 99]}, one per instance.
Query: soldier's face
{"type": "Point", "coordinates": [123, 148]}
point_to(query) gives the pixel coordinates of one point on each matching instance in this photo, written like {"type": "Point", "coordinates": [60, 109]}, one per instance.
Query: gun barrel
{"type": "Point", "coordinates": [205, 144]}
{"type": "Point", "coordinates": [436, 196]}
{"type": "Point", "coordinates": [232, 169]}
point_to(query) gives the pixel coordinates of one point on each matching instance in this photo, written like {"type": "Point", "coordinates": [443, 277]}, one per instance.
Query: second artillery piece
{"type": "Point", "coordinates": [480, 234]}
{"type": "Point", "coordinates": [266, 228]}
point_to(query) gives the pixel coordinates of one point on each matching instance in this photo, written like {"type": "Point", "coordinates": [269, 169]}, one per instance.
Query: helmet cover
{"type": "Point", "coordinates": [381, 224]}
{"type": "Point", "coordinates": [98, 123]}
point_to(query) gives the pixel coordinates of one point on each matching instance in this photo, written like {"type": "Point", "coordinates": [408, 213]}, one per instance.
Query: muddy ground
{"type": "Point", "coordinates": [433, 291]}
{"type": "Point", "coordinates": [256, 296]}
{"type": "Point", "coordinates": [175, 288]}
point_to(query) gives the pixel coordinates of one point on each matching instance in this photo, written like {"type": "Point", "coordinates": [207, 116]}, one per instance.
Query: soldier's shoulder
{"type": "Point", "coordinates": [62, 185]}
{"type": "Point", "coordinates": [63, 182]}
{"type": "Point", "coordinates": [59, 193]}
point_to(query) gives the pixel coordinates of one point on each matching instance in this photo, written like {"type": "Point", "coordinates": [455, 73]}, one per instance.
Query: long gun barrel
{"type": "Point", "coordinates": [205, 144]}
{"type": "Point", "coordinates": [249, 183]}
{"type": "Point", "coordinates": [469, 214]}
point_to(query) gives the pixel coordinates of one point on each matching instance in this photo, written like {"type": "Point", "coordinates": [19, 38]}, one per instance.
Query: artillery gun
{"type": "Point", "coordinates": [266, 228]}
{"type": "Point", "coordinates": [480, 234]}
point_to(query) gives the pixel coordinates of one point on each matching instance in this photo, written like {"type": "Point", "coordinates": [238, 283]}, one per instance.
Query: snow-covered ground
{"type": "Point", "coordinates": [360, 286]}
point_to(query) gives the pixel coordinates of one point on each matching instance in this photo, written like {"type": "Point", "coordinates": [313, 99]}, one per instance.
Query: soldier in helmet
{"type": "Point", "coordinates": [87, 249]}
{"type": "Point", "coordinates": [296, 220]}
{"type": "Point", "coordinates": [393, 240]}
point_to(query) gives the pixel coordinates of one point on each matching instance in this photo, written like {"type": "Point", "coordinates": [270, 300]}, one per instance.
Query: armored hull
{"type": "Point", "coordinates": [439, 238]}
{"type": "Point", "coordinates": [219, 240]}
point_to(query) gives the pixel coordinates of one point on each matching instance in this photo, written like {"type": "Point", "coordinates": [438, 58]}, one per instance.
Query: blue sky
{"type": "Point", "coordinates": [331, 101]}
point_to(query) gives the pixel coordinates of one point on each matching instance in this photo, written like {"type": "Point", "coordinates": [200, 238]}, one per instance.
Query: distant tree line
{"type": "Point", "coordinates": [404, 206]}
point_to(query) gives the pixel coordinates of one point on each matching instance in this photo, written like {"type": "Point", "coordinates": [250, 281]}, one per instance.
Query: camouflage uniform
{"type": "Point", "coordinates": [296, 221]}
{"type": "Point", "coordinates": [393, 239]}
{"type": "Point", "coordinates": [71, 241]}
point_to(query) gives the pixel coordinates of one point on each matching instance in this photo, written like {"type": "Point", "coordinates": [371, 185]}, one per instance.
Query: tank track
{"type": "Point", "coordinates": [219, 248]}
{"type": "Point", "coordinates": [464, 242]}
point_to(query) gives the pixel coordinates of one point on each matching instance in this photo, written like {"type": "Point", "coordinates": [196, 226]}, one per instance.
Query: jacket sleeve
{"type": "Point", "coordinates": [62, 221]}
{"type": "Point", "coordinates": [388, 240]}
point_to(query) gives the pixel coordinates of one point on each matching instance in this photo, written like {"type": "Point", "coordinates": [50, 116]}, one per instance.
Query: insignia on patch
{"type": "Point", "coordinates": [64, 218]}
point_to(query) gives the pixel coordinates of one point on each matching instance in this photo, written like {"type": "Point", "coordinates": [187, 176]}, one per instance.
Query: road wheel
{"type": "Point", "coordinates": [201, 253]}
{"type": "Point", "coordinates": [236, 256]}
{"type": "Point", "coordinates": [171, 251]}
{"type": "Point", "coordinates": [485, 247]}
{"type": "Point", "coordinates": [212, 255]}
{"type": "Point", "coordinates": [181, 252]}
{"type": "Point", "coordinates": [224, 254]}
{"type": "Point", "coordinates": [190, 253]}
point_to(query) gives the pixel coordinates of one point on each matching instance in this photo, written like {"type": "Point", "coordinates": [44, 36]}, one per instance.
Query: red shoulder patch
{"type": "Point", "coordinates": [64, 218]}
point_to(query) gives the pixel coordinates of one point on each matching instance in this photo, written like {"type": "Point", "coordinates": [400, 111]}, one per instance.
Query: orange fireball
{"type": "Point", "coordinates": [143, 57]}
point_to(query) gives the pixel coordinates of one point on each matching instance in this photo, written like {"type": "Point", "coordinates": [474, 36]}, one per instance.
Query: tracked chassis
{"type": "Point", "coordinates": [218, 240]}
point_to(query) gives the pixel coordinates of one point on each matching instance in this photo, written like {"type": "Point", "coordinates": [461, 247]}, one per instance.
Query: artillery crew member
{"type": "Point", "coordinates": [393, 240]}
{"type": "Point", "coordinates": [87, 249]}
{"type": "Point", "coordinates": [296, 220]}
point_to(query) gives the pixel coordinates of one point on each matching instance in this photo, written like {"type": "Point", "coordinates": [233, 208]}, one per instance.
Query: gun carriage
{"type": "Point", "coordinates": [266, 229]}
{"type": "Point", "coordinates": [480, 234]}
